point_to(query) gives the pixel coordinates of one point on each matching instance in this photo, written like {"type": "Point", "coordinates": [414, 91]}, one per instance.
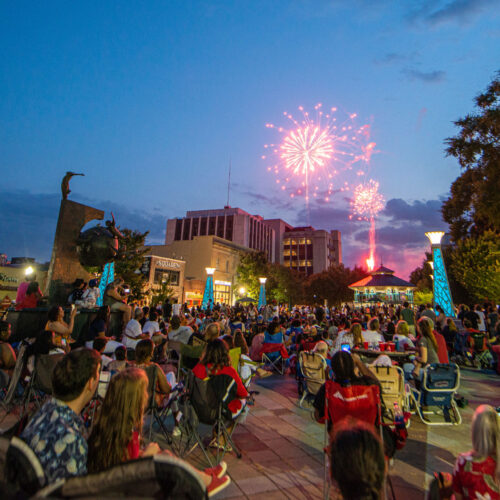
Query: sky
{"type": "Point", "coordinates": [154, 100]}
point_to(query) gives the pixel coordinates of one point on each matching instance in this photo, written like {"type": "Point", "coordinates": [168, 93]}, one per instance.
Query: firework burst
{"type": "Point", "coordinates": [316, 149]}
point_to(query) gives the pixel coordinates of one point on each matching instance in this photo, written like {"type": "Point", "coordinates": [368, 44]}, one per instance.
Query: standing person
{"type": "Point", "coordinates": [23, 288]}
{"type": "Point", "coordinates": [116, 435]}
{"type": "Point", "coordinates": [167, 310]}
{"type": "Point", "coordinates": [31, 297]}
{"type": "Point", "coordinates": [408, 315]}
{"type": "Point", "coordinates": [56, 432]}
{"type": "Point", "coordinates": [477, 472]}
{"type": "Point", "coordinates": [428, 311]}
{"type": "Point", "coordinates": [481, 323]}
{"type": "Point", "coordinates": [62, 330]}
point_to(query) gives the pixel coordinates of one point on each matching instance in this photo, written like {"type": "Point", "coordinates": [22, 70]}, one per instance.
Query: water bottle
{"type": "Point", "coordinates": [399, 418]}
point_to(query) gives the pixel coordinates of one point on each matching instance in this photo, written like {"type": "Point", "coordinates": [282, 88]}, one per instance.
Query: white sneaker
{"type": "Point", "coordinates": [176, 432]}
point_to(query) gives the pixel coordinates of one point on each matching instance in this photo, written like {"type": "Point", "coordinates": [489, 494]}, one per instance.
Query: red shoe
{"type": "Point", "coordinates": [217, 485]}
{"type": "Point", "coordinates": [218, 471]}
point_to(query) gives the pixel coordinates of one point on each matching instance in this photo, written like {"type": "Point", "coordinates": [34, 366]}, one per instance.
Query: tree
{"type": "Point", "coordinates": [474, 204]}
{"type": "Point", "coordinates": [163, 293]}
{"type": "Point", "coordinates": [333, 285]}
{"type": "Point", "coordinates": [252, 266]}
{"type": "Point", "coordinates": [421, 276]}
{"type": "Point", "coordinates": [129, 260]}
{"type": "Point", "coordinates": [475, 264]}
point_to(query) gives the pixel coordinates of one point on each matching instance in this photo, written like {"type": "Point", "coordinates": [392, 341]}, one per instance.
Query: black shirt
{"type": "Point", "coordinates": [97, 326]}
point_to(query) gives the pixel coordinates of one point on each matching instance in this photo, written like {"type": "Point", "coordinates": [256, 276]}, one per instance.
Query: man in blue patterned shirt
{"type": "Point", "coordinates": [55, 433]}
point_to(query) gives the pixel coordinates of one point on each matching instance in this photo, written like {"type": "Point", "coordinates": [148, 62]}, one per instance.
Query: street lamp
{"type": "Point", "coordinates": [441, 289]}
{"type": "Point", "coordinates": [242, 290]}
{"type": "Point", "coordinates": [262, 293]}
{"type": "Point", "coordinates": [208, 294]}
{"type": "Point", "coordinates": [29, 271]}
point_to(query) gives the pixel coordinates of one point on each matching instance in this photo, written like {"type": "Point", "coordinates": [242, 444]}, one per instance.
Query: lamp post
{"type": "Point", "coordinates": [262, 293]}
{"type": "Point", "coordinates": [208, 294]}
{"type": "Point", "coordinates": [107, 276]}
{"type": "Point", "coordinates": [441, 289]}
{"type": "Point", "coordinates": [28, 271]}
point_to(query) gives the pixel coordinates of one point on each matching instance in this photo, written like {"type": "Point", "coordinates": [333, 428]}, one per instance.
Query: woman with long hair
{"type": "Point", "coordinates": [427, 347]}
{"type": "Point", "coordinates": [401, 338]}
{"type": "Point", "coordinates": [62, 330]}
{"type": "Point", "coordinates": [354, 337]}
{"type": "Point", "coordinates": [477, 472]}
{"type": "Point", "coordinates": [116, 435]}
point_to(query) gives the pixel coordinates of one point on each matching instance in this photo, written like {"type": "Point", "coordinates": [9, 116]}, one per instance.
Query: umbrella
{"type": "Point", "coordinates": [246, 299]}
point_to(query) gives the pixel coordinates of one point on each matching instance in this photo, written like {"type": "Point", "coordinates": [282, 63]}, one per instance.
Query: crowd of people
{"type": "Point", "coordinates": [59, 439]}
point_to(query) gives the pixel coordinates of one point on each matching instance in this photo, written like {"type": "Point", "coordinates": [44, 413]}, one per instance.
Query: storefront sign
{"type": "Point", "coordinates": [167, 264]}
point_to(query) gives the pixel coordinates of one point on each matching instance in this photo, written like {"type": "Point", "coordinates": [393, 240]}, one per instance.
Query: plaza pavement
{"type": "Point", "coordinates": [282, 445]}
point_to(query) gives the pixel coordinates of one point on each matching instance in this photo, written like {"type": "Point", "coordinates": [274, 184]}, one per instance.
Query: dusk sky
{"type": "Point", "coordinates": [151, 100]}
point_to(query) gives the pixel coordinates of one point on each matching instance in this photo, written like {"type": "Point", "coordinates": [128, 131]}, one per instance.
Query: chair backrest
{"type": "Point", "coordinates": [190, 355]}
{"type": "Point", "coordinates": [360, 402]}
{"type": "Point", "coordinates": [22, 467]}
{"type": "Point", "coordinates": [439, 384]}
{"type": "Point", "coordinates": [161, 476]}
{"type": "Point", "coordinates": [234, 356]}
{"type": "Point", "coordinates": [314, 368]}
{"type": "Point", "coordinates": [42, 374]}
{"type": "Point", "coordinates": [273, 338]}
{"type": "Point", "coordinates": [197, 341]}
{"type": "Point", "coordinates": [478, 341]}
{"type": "Point", "coordinates": [21, 360]}
{"type": "Point", "coordinates": [392, 381]}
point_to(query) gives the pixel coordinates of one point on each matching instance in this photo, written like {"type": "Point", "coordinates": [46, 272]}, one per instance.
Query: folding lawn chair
{"type": "Point", "coordinates": [313, 370]}
{"type": "Point", "coordinates": [189, 357]}
{"type": "Point", "coordinates": [10, 400]}
{"type": "Point", "coordinates": [436, 395]}
{"type": "Point", "coordinates": [205, 402]}
{"type": "Point", "coordinates": [234, 356]}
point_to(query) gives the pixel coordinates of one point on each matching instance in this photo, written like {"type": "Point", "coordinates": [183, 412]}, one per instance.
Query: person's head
{"type": "Point", "coordinates": [93, 283]}
{"type": "Point", "coordinates": [5, 330]}
{"type": "Point", "coordinates": [239, 341]}
{"type": "Point", "coordinates": [138, 314]}
{"type": "Point", "coordinates": [321, 347]}
{"type": "Point", "coordinates": [103, 313]}
{"type": "Point", "coordinates": [121, 412]}
{"type": "Point", "coordinates": [391, 328]}
{"type": "Point", "coordinates": [56, 313]}
{"type": "Point", "coordinates": [216, 354]}
{"type": "Point", "coordinates": [32, 288]}
{"type": "Point", "coordinates": [486, 434]}
{"type": "Point", "coordinates": [356, 331]}
{"type": "Point", "coordinates": [153, 315]}
{"type": "Point", "coordinates": [229, 341]}
{"type": "Point", "coordinates": [439, 309]}
{"type": "Point", "coordinates": [357, 462]}
{"type": "Point", "coordinates": [76, 376]}
{"type": "Point", "coordinates": [374, 324]}
{"type": "Point", "coordinates": [451, 325]}
{"type": "Point", "coordinates": [212, 332]}
{"type": "Point", "coordinates": [343, 367]}
{"type": "Point", "coordinates": [402, 328]}
{"type": "Point", "coordinates": [175, 322]}
{"type": "Point", "coordinates": [79, 283]}
{"type": "Point", "coordinates": [424, 326]}
{"type": "Point", "coordinates": [406, 305]}
{"type": "Point", "coordinates": [144, 351]}
{"type": "Point", "coordinates": [99, 344]}
{"type": "Point", "coordinates": [121, 353]}
{"type": "Point", "coordinates": [467, 323]}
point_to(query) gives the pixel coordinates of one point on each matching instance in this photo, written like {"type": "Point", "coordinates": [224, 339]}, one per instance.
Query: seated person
{"type": "Point", "coordinates": [7, 353]}
{"type": "Point", "coordinates": [229, 341]}
{"type": "Point", "coordinates": [401, 338]}
{"type": "Point", "coordinates": [44, 345]}
{"type": "Point", "coordinates": [477, 472]}
{"type": "Point", "coordinates": [247, 367]}
{"type": "Point", "coordinates": [120, 362]}
{"type": "Point", "coordinates": [373, 335]}
{"type": "Point", "coordinates": [152, 327]}
{"type": "Point", "coordinates": [164, 383]}
{"type": "Point", "coordinates": [114, 297]}
{"type": "Point", "coordinates": [76, 296]}
{"type": "Point", "coordinates": [179, 331]}
{"type": "Point", "coordinates": [215, 361]}
{"type": "Point", "coordinates": [256, 346]}
{"type": "Point", "coordinates": [273, 334]}
{"type": "Point", "coordinates": [98, 329]}
{"type": "Point", "coordinates": [133, 330]}
{"type": "Point", "coordinates": [354, 337]}
{"type": "Point", "coordinates": [99, 345]}
{"type": "Point", "coordinates": [357, 462]}
{"type": "Point", "coordinates": [212, 332]}
{"type": "Point", "coordinates": [116, 436]}
{"type": "Point", "coordinates": [61, 329]}
{"type": "Point", "coordinates": [344, 368]}
{"type": "Point", "coordinates": [56, 432]}
{"type": "Point", "coordinates": [91, 294]}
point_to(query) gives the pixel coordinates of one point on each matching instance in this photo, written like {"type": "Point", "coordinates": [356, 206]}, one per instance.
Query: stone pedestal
{"type": "Point", "coordinates": [65, 266]}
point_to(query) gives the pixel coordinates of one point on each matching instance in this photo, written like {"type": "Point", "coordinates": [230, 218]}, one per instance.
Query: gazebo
{"type": "Point", "coordinates": [382, 286]}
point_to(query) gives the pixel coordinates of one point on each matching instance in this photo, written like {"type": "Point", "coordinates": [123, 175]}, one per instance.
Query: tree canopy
{"type": "Point", "coordinates": [474, 203]}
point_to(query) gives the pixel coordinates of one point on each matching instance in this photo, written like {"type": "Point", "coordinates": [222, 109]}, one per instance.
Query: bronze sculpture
{"type": "Point", "coordinates": [65, 184]}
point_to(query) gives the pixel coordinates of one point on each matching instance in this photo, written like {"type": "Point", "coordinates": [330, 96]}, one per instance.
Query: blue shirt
{"type": "Point", "coordinates": [55, 434]}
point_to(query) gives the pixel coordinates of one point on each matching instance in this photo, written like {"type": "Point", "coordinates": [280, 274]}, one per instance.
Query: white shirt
{"type": "Point", "coordinates": [133, 329]}
{"type": "Point", "coordinates": [481, 325]}
{"type": "Point", "coordinates": [151, 327]}
{"type": "Point", "coordinates": [371, 336]}
{"type": "Point", "coordinates": [182, 334]}
{"type": "Point", "coordinates": [403, 342]}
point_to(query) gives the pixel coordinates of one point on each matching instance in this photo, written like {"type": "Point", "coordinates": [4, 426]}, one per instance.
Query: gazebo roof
{"type": "Point", "coordinates": [382, 277]}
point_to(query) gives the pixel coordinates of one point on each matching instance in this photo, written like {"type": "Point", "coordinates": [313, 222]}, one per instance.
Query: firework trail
{"type": "Point", "coordinates": [366, 204]}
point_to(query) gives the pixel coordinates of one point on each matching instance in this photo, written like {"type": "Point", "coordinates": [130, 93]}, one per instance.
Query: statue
{"type": "Point", "coordinates": [65, 184]}
{"type": "Point", "coordinates": [99, 245]}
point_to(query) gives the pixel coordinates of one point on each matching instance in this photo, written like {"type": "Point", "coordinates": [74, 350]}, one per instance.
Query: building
{"type": "Point", "coordinates": [306, 249]}
{"type": "Point", "coordinates": [199, 253]}
{"type": "Point", "coordinates": [382, 286]}
{"type": "Point", "coordinates": [13, 273]}
{"type": "Point", "coordinates": [165, 270]}
{"type": "Point", "coordinates": [231, 224]}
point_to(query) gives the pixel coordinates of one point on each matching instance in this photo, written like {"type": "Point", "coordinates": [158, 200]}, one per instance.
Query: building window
{"type": "Point", "coordinates": [211, 225]}
{"type": "Point", "coordinates": [162, 276]}
{"type": "Point", "coordinates": [286, 257]}
{"type": "Point", "coordinates": [309, 242]}
{"type": "Point", "coordinates": [196, 223]}
{"type": "Point", "coordinates": [187, 229]}
{"type": "Point", "coordinates": [302, 241]}
{"type": "Point", "coordinates": [178, 229]}
{"type": "Point", "coordinates": [220, 227]}
{"type": "Point", "coordinates": [203, 227]}
{"type": "Point", "coordinates": [229, 227]}
{"type": "Point", "coordinates": [309, 251]}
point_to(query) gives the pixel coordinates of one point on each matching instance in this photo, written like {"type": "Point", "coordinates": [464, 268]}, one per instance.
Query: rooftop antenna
{"type": "Point", "coordinates": [228, 183]}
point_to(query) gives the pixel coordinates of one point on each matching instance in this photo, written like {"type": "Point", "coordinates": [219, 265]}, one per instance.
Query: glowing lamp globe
{"type": "Point", "coordinates": [262, 281]}
{"type": "Point", "coordinates": [210, 270]}
{"type": "Point", "coordinates": [435, 237]}
{"type": "Point", "coordinates": [242, 291]}
{"type": "Point", "coordinates": [28, 271]}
